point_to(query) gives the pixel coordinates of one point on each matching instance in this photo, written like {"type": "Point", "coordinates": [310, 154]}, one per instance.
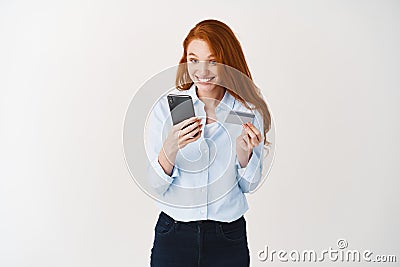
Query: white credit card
{"type": "Point", "coordinates": [239, 117]}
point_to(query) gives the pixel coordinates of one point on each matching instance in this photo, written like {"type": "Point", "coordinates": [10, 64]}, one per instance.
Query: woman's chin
{"type": "Point", "coordinates": [205, 86]}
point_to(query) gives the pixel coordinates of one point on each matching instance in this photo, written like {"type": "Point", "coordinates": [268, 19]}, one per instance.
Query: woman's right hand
{"type": "Point", "coordinates": [180, 135]}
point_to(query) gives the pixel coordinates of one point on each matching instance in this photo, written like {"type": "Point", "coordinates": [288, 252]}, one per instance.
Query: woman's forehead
{"type": "Point", "coordinates": [199, 48]}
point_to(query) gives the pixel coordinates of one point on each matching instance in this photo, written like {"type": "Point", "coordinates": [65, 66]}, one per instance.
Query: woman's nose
{"type": "Point", "coordinates": [203, 68]}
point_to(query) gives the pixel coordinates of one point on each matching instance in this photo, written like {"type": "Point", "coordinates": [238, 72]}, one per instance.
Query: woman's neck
{"type": "Point", "coordinates": [212, 99]}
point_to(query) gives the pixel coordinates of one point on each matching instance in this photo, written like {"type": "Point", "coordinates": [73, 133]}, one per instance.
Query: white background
{"type": "Point", "coordinates": [68, 70]}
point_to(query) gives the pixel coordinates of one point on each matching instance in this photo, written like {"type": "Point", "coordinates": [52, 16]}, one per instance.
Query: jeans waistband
{"type": "Point", "coordinates": [202, 223]}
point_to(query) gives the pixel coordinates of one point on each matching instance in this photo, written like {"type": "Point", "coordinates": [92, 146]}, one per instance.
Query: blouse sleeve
{"type": "Point", "coordinates": [250, 176]}
{"type": "Point", "coordinates": [158, 179]}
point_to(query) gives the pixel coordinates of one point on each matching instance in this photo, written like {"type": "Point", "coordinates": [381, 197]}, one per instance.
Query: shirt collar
{"type": "Point", "coordinates": [227, 102]}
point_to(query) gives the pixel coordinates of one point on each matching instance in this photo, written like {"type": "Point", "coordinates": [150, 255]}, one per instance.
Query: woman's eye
{"type": "Point", "coordinates": [213, 62]}
{"type": "Point", "coordinates": [194, 60]}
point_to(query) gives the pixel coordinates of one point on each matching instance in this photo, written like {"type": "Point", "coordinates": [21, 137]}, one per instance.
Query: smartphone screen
{"type": "Point", "coordinates": [181, 108]}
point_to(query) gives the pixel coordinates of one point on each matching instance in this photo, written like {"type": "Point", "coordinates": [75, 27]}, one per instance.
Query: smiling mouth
{"type": "Point", "coordinates": [204, 80]}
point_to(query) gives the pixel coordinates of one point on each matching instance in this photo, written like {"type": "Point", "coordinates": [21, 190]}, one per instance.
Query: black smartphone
{"type": "Point", "coordinates": [181, 108]}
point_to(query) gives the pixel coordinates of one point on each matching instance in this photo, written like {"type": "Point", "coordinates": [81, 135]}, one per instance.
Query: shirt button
{"type": "Point", "coordinates": [203, 190]}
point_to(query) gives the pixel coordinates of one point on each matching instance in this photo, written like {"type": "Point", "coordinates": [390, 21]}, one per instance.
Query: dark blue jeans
{"type": "Point", "coordinates": [199, 243]}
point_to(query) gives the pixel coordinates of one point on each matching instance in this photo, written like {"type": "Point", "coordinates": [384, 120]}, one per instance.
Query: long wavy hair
{"type": "Point", "coordinates": [232, 65]}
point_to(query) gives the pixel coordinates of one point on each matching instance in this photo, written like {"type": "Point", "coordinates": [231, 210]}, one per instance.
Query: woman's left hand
{"type": "Point", "coordinates": [246, 141]}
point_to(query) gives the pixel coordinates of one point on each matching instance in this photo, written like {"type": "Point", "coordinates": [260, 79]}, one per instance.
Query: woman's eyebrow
{"type": "Point", "coordinates": [193, 54]}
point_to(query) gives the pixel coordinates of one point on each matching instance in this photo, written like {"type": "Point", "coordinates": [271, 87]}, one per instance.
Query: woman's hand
{"type": "Point", "coordinates": [180, 135]}
{"type": "Point", "coordinates": [249, 139]}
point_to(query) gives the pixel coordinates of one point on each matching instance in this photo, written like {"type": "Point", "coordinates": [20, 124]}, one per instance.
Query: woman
{"type": "Point", "coordinates": [198, 171]}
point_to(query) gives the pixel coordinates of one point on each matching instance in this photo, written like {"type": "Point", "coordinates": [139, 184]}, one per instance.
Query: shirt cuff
{"type": "Point", "coordinates": [248, 172]}
{"type": "Point", "coordinates": [161, 173]}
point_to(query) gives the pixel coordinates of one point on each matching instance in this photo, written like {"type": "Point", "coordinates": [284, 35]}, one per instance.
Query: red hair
{"type": "Point", "coordinates": [227, 51]}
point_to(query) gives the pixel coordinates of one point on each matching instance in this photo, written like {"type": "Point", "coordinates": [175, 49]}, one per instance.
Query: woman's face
{"type": "Point", "coordinates": [202, 65]}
